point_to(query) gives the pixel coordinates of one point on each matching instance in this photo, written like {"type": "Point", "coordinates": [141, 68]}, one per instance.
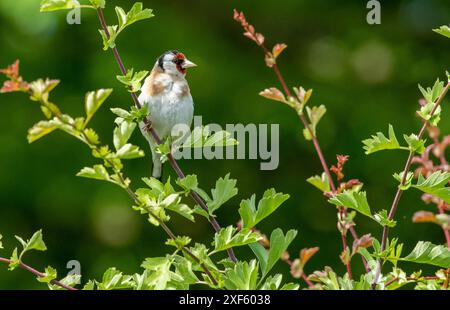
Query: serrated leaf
{"type": "Point", "coordinates": [132, 79]}
{"type": "Point", "coordinates": [34, 243]}
{"type": "Point", "coordinates": [435, 185]}
{"type": "Point", "coordinates": [220, 138]}
{"type": "Point", "coordinates": [135, 14]}
{"type": "Point", "coordinates": [428, 253]}
{"type": "Point", "coordinates": [109, 40]}
{"type": "Point", "coordinates": [315, 114]}
{"type": "Point", "coordinates": [229, 237]}
{"type": "Point", "coordinates": [224, 190]}
{"type": "Point", "coordinates": [93, 102]}
{"type": "Point", "coordinates": [243, 276]}
{"type": "Point", "coordinates": [122, 132]}
{"type": "Point", "coordinates": [129, 151]}
{"type": "Point", "coordinates": [98, 3]}
{"type": "Point", "coordinates": [49, 275]}
{"type": "Point", "coordinates": [97, 172]}
{"type": "Point", "coordinates": [278, 245]}
{"type": "Point", "coordinates": [55, 5]}
{"type": "Point", "coordinates": [443, 30]}
{"type": "Point", "coordinates": [179, 242]}
{"type": "Point", "coordinates": [91, 136]}
{"type": "Point", "coordinates": [267, 205]}
{"type": "Point", "coordinates": [414, 143]}
{"type": "Point", "coordinates": [40, 130]}
{"type": "Point", "coordinates": [14, 260]}
{"type": "Point", "coordinates": [379, 142]}
{"type": "Point", "coordinates": [320, 182]}
{"type": "Point", "coordinates": [408, 180]}
{"type": "Point", "coordinates": [352, 200]}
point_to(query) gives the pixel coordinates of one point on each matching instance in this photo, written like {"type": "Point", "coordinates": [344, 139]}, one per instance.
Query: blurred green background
{"type": "Point", "coordinates": [366, 75]}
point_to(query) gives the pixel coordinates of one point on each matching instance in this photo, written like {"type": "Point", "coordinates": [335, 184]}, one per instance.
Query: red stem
{"type": "Point", "coordinates": [399, 192]}
{"type": "Point", "coordinates": [446, 232]}
{"type": "Point", "coordinates": [39, 274]}
{"type": "Point", "coordinates": [152, 132]}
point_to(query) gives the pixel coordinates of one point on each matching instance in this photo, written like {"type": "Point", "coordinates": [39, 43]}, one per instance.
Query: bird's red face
{"type": "Point", "coordinates": [174, 62]}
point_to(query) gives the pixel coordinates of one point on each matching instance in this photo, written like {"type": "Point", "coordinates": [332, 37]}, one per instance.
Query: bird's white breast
{"type": "Point", "coordinates": [170, 107]}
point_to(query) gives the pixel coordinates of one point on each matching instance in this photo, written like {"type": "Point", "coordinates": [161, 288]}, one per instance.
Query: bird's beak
{"type": "Point", "coordinates": [188, 64]}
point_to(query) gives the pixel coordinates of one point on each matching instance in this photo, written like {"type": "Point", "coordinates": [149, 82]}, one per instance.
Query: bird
{"type": "Point", "coordinates": [167, 96]}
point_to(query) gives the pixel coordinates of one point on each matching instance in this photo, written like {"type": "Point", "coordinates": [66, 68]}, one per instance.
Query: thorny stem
{"type": "Point", "coordinates": [399, 192]}
{"type": "Point", "coordinates": [38, 274]}
{"type": "Point", "coordinates": [150, 130]}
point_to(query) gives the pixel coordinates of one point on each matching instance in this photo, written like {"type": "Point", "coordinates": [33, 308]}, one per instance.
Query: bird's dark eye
{"type": "Point", "coordinates": [178, 61]}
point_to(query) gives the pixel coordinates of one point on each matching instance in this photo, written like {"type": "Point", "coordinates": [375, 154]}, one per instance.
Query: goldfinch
{"type": "Point", "coordinates": [167, 95]}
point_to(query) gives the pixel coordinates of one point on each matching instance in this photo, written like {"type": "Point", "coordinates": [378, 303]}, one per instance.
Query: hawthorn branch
{"type": "Point", "coordinates": [38, 274]}
{"type": "Point", "coordinates": [399, 192]}
{"type": "Point", "coordinates": [151, 131]}
{"type": "Point", "coordinates": [342, 210]}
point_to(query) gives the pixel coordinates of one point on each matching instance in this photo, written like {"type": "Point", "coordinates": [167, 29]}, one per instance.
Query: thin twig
{"type": "Point", "coordinates": [38, 274]}
{"type": "Point", "coordinates": [150, 130]}
{"type": "Point", "coordinates": [399, 192]}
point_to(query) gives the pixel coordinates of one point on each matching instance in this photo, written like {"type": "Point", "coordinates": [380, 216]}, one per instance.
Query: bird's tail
{"type": "Point", "coordinates": [156, 158]}
{"type": "Point", "coordinates": [157, 165]}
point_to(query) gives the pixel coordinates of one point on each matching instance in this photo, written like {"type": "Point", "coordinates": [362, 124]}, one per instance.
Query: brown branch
{"type": "Point", "coordinates": [259, 40]}
{"type": "Point", "coordinates": [38, 274]}
{"type": "Point", "coordinates": [399, 192]}
{"type": "Point", "coordinates": [150, 130]}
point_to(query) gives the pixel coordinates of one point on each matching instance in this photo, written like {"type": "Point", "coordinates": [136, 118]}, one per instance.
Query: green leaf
{"type": "Point", "coordinates": [113, 279]}
{"type": "Point", "coordinates": [225, 190]}
{"type": "Point", "coordinates": [408, 180]}
{"type": "Point", "coordinates": [431, 254]}
{"type": "Point", "coordinates": [320, 182]}
{"type": "Point", "coordinates": [133, 79]}
{"type": "Point", "coordinates": [379, 142]}
{"type": "Point", "coordinates": [425, 113]}
{"type": "Point", "coordinates": [93, 102]}
{"type": "Point", "coordinates": [315, 114]}
{"type": "Point", "coordinates": [55, 5]}
{"type": "Point", "coordinates": [40, 130]}
{"type": "Point", "coordinates": [383, 219]}
{"type": "Point", "coordinates": [435, 185]}
{"type": "Point", "coordinates": [109, 40]}
{"type": "Point", "coordinates": [243, 276]}
{"type": "Point", "coordinates": [267, 205]}
{"type": "Point", "coordinates": [69, 280]}
{"type": "Point", "coordinates": [182, 209]}
{"type": "Point", "coordinates": [98, 3]}
{"type": "Point", "coordinates": [122, 132]}
{"type": "Point", "coordinates": [49, 275]}
{"type": "Point", "coordinates": [352, 200]}
{"type": "Point", "coordinates": [188, 183]}
{"type": "Point", "coordinates": [91, 136]}
{"type": "Point", "coordinates": [160, 271]}
{"type": "Point", "coordinates": [40, 91]}
{"type": "Point", "coordinates": [278, 245]}
{"type": "Point", "coordinates": [34, 243]}
{"type": "Point", "coordinates": [129, 151]}
{"type": "Point", "coordinates": [415, 144]}
{"type": "Point", "coordinates": [443, 30]}
{"type": "Point", "coordinates": [179, 242]}
{"type": "Point", "coordinates": [97, 172]}
{"type": "Point", "coordinates": [431, 94]}
{"type": "Point", "coordinates": [220, 138]}
{"type": "Point", "coordinates": [136, 14]}
{"type": "Point", "coordinates": [261, 254]}
{"type": "Point", "coordinates": [15, 261]}
{"type": "Point", "coordinates": [228, 238]}
{"type": "Point", "coordinates": [121, 113]}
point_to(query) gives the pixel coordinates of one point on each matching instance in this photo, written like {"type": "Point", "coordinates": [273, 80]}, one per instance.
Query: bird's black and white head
{"type": "Point", "coordinates": [174, 63]}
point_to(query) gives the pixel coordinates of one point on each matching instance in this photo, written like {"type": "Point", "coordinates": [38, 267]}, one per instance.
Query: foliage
{"type": "Point", "coordinates": [189, 264]}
